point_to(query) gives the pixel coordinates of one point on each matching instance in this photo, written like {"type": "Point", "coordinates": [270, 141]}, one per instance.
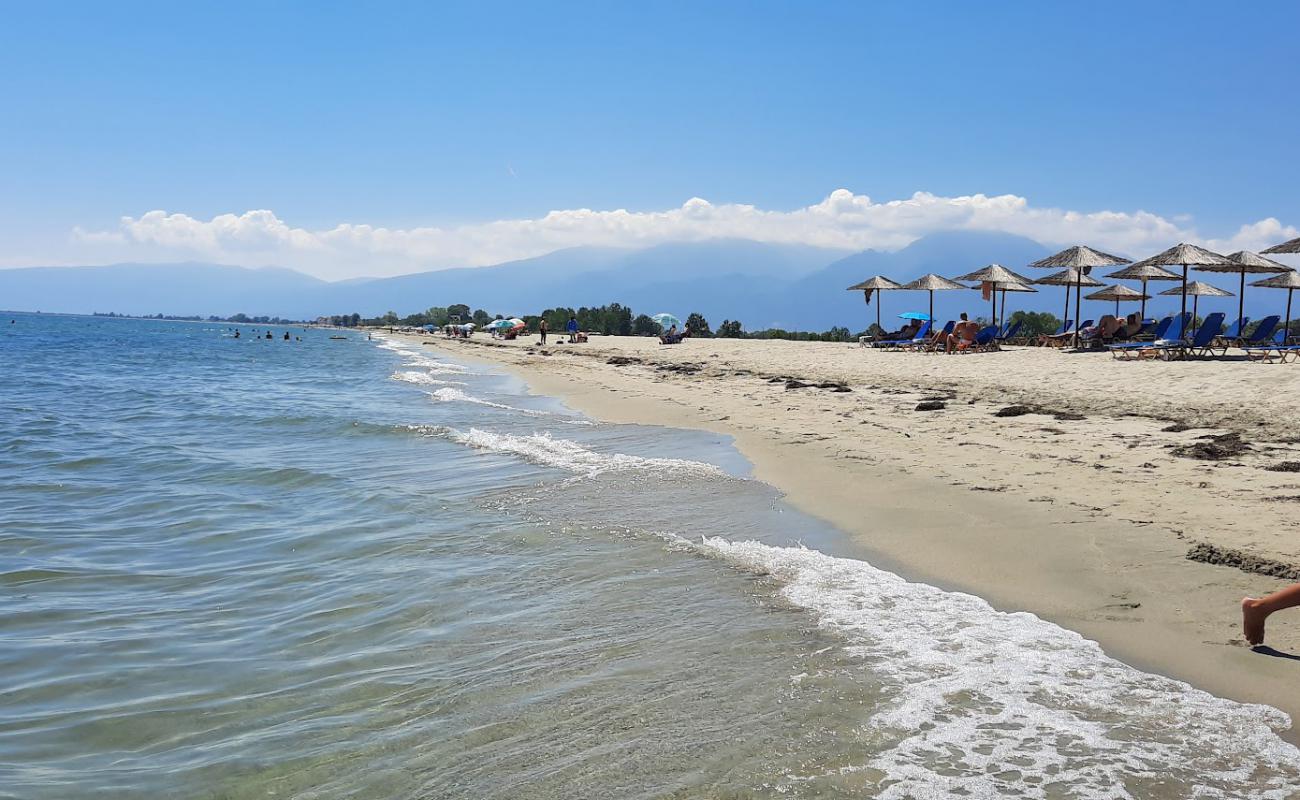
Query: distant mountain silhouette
{"type": "Point", "coordinates": [762, 285]}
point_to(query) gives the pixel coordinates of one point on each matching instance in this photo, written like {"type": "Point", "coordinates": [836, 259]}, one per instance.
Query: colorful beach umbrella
{"type": "Point", "coordinates": [870, 286]}
{"type": "Point", "coordinates": [666, 320]}
{"type": "Point", "coordinates": [932, 283]}
{"type": "Point", "coordinates": [1289, 281]}
{"type": "Point", "coordinates": [1244, 261]}
{"type": "Point", "coordinates": [922, 316]}
{"type": "Point", "coordinates": [1082, 259]}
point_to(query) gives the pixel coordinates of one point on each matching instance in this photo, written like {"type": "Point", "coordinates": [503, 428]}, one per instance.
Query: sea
{"type": "Point", "coordinates": [342, 565]}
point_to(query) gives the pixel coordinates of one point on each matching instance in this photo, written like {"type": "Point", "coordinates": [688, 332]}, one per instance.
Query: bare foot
{"type": "Point", "coordinates": [1252, 620]}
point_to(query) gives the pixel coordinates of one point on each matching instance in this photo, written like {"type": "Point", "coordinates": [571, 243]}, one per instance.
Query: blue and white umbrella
{"type": "Point", "coordinates": [667, 320]}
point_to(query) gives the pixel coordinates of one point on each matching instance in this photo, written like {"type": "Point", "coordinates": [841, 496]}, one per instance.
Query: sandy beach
{"type": "Point", "coordinates": [1136, 503]}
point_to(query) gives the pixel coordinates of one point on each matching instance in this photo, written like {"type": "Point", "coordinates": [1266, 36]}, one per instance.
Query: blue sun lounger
{"type": "Point", "coordinates": [1262, 333]}
{"type": "Point", "coordinates": [1279, 352]}
{"type": "Point", "coordinates": [1170, 329]}
{"type": "Point", "coordinates": [895, 343]}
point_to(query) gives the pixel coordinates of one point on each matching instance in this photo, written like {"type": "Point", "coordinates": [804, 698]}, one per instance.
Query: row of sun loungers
{"type": "Point", "coordinates": [1265, 343]}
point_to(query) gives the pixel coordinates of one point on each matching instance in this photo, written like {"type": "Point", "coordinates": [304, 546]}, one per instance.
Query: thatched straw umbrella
{"type": "Point", "coordinates": [1244, 261]}
{"type": "Point", "coordinates": [870, 286]}
{"type": "Point", "coordinates": [997, 277]}
{"type": "Point", "coordinates": [1119, 293]}
{"type": "Point", "coordinates": [1292, 246]}
{"type": "Point", "coordinates": [1289, 281]}
{"type": "Point", "coordinates": [1149, 272]}
{"type": "Point", "coordinates": [1184, 255]}
{"type": "Point", "coordinates": [1081, 258]}
{"type": "Point", "coordinates": [1071, 276]}
{"type": "Point", "coordinates": [932, 283]}
{"type": "Point", "coordinates": [1011, 287]}
{"type": "Point", "coordinates": [1197, 290]}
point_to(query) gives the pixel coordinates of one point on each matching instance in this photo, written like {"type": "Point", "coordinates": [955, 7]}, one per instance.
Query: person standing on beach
{"type": "Point", "coordinates": [1255, 612]}
{"type": "Point", "coordinates": [541, 326]}
{"type": "Point", "coordinates": [573, 329]}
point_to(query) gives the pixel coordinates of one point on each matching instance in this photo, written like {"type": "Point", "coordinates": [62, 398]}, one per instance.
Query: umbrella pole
{"type": "Point", "coordinates": [1078, 310]}
{"type": "Point", "coordinates": [993, 295]}
{"type": "Point", "coordinates": [1287, 336]}
{"type": "Point", "coordinates": [931, 308]}
{"type": "Point", "coordinates": [1184, 311]}
{"type": "Point", "coordinates": [1143, 312]}
{"type": "Point", "coordinates": [1196, 302]}
{"type": "Point", "coordinates": [1117, 308]}
{"type": "Point", "coordinates": [879, 329]}
{"type": "Point", "coordinates": [1241, 299]}
{"type": "Point", "coordinates": [1065, 318]}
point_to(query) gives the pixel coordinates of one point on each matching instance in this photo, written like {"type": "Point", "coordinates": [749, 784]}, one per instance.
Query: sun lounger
{"type": "Point", "coordinates": [1261, 335]}
{"type": "Point", "coordinates": [898, 343]}
{"type": "Point", "coordinates": [1170, 349]}
{"type": "Point", "coordinates": [985, 341]}
{"type": "Point", "coordinates": [1163, 332]}
{"type": "Point", "coordinates": [1010, 332]}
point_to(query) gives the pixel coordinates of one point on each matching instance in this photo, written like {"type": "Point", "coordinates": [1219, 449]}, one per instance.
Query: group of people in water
{"type": "Point", "coordinates": [269, 335]}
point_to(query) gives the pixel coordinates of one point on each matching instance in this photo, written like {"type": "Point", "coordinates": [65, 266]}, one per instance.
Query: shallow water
{"type": "Point", "coordinates": [316, 569]}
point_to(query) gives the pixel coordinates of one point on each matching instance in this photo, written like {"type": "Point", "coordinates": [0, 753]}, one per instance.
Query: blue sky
{"type": "Point", "coordinates": [414, 117]}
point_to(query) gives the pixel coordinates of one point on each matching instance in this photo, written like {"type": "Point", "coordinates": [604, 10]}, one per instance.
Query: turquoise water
{"type": "Point", "coordinates": [236, 568]}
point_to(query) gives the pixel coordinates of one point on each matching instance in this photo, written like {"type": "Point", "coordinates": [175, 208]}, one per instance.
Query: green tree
{"type": "Point", "coordinates": [730, 329]}
{"type": "Point", "coordinates": [697, 325]}
{"type": "Point", "coordinates": [390, 318]}
{"type": "Point", "coordinates": [460, 311]}
{"type": "Point", "coordinates": [644, 326]}
{"type": "Point", "coordinates": [481, 318]}
{"type": "Point", "coordinates": [1034, 323]}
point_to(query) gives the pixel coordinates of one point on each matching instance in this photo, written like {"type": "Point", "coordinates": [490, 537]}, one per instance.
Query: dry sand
{"type": "Point", "coordinates": [1082, 511]}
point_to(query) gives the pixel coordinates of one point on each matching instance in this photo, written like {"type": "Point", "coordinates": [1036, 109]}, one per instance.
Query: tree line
{"type": "Point", "coordinates": [613, 319]}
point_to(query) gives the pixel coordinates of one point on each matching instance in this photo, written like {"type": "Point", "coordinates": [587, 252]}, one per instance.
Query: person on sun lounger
{"type": "Point", "coordinates": [1105, 329]}
{"type": "Point", "coordinates": [962, 336]}
{"type": "Point", "coordinates": [1255, 612]}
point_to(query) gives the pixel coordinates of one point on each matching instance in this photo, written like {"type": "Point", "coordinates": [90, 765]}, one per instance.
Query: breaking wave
{"type": "Point", "coordinates": [986, 703]}
{"type": "Point", "coordinates": [542, 448]}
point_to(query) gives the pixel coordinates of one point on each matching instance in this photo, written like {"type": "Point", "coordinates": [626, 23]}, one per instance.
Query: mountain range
{"type": "Point", "coordinates": [762, 285]}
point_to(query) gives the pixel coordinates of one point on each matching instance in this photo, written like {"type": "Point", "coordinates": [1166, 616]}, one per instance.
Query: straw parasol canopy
{"type": "Point", "coordinates": [1197, 290]}
{"type": "Point", "coordinates": [876, 283]}
{"type": "Point", "coordinates": [1147, 272]}
{"type": "Point", "coordinates": [1081, 258]}
{"type": "Point", "coordinates": [1023, 286]}
{"type": "Point", "coordinates": [998, 277]}
{"type": "Point", "coordinates": [1119, 293]}
{"type": "Point", "coordinates": [1244, 261]}
{"type": "Point", "coordinates": [1292, 246]}
{"type": "Point", "coordinates": [1287, 280]}
{"type": "Point", "coordinates": [932, 283]}
{"type": "Point", "coordinates": [1078, 257]}
{"type": "Point", "coordinates": [1184, 255]}
{"type": "Point", "coordinates": [1070, 276]}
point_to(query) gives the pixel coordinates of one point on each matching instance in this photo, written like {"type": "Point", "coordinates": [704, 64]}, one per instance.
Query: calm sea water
{"type": "Point", "coordinates": [238, 568]}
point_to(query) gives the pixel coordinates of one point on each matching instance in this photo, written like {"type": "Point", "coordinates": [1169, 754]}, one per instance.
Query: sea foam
{"type": "Point", "coordinates": [986, 703]}
{"type": "Point", "coordinates": [544, 449]}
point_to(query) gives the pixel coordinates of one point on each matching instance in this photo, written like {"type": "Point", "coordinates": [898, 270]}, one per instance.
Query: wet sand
{"type": "Point", "coordinates": [1087, 503]}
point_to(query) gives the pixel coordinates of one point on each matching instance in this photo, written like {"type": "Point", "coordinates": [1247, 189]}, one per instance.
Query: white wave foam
{"type": "Point", "coordinates": [984, 703]}
{"type": "Point", "coordinates": [423, 377]}
{"type": "Point", "coordinates": [456, 395]}
{"type": "Point", "coordinates": [542, 448]}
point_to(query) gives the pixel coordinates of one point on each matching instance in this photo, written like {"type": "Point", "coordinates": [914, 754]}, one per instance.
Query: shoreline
{"type": "Point", "coordinates": [1120, 578]}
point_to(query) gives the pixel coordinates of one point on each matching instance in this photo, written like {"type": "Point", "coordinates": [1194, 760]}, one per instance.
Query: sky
{"type": "Point", "coordinates": [382, 138]}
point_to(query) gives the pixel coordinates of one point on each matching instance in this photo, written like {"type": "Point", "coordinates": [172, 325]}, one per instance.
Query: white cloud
{"type": "Point", "coordinates": [843, 220]}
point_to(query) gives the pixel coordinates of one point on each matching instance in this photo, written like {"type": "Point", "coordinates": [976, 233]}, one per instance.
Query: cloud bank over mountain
{"type": "Point", "coordinates": [843, 221]}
